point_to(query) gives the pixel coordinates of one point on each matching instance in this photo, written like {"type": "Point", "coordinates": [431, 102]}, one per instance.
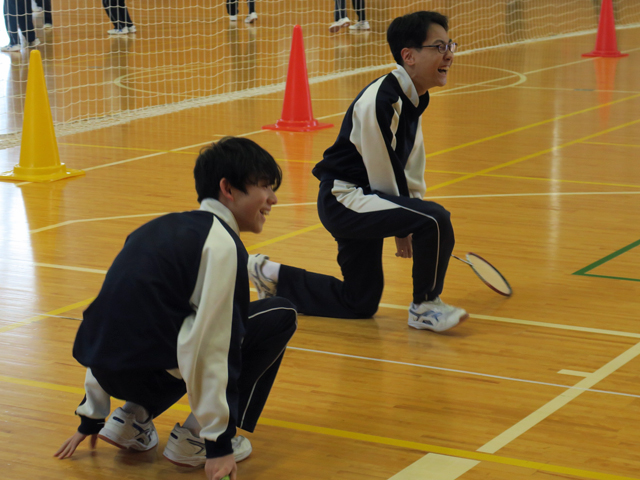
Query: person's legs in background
{"type": "Point", "coordinates": [340, 18]}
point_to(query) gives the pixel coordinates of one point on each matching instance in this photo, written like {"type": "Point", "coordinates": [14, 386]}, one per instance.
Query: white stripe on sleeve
{"type": "Point", "coordinates": [369, 141]}
{"type": "Point", "coordinates": [204, 338]}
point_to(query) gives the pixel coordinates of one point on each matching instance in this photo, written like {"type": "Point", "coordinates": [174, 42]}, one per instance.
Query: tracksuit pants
{"type": "Point", "coordinates": [340, 10]}
{"type": "Point", "coordinates": [232, 6]}
{"type": "Point", "coordinates": [17, 15]}
{"type": "Point", "coordinates": [360, 220]}
{"type": "Point", "coordinates": [271, 324]}
{"type": "Point", "coordinates": [118, 13]}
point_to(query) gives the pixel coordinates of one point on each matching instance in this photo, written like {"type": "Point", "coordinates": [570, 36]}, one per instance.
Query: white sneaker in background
{"type": "Point", "coordinates": [124, 431]}
{"type": "Point", "coordinates": [361, 25]}
{"type": "Point", "coordinates": [132, 29]}
{"type": "Point", "coordinates": [252, 17]}
{"type": "Point", "coordinates": [118, 31]}
{"type": "Point", "coordinates": [10, 48]}
{"type": "Point", "coordinates": [343, 22]}
{"type": "Point", "coordinates": [35, 43]}
{"type": "Point", "coordinates": [233, 18]}
{"type": "Point", "coordinates": [35, 8]}
{"type": "Point", "coordinates": [435, 315]}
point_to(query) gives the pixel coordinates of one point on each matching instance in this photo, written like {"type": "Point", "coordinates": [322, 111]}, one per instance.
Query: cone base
{"type": "Point", "coordinates": [39, 174]}
{"type": "Point", "coordinates": [615, 54]}
{"type": "Point", "coordinates": [292, 126]}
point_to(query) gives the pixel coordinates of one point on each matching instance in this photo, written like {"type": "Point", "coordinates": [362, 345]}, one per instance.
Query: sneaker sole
{"type": "Point", "coordinates": [182, 461]}
{"type": "Point", "coordinates": [186, 462]}
{"type": "Point", "coordinates": [119, 442]}
{"type": "Point", "coordinates": [338, 27]}
{"type": "Point", "coordinates": [422, 326]}
{"type": "Point", "coordinates": [243, 456]}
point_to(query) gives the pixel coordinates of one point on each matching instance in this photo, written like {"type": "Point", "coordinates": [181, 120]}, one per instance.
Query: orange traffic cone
{"type": "Point", "coordinates": [39, 157]}
{"type": "Point", "coordinates": [606, 43]}
{"type": "Point", "coordinates": [297, 115]}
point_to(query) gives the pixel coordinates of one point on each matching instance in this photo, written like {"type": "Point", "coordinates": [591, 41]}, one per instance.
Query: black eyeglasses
{"type": "Point", "coordinates": [442, 47]}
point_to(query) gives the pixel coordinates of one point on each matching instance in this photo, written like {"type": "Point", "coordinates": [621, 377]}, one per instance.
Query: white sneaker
{"type": "Point", "coordinates": [361, 25]}
{"type": "Point", "coordinates": [118, 31]}
{"type": "Point", "coordinates": [11, 48]}
{"type": "Point", "coordinates": [252, 17]}
{"type": "Point", "coordinates": [132, 29]}
{"type": "Point", "coordinates": [233, 18]}
{"type": "Point", "coordinates": [47, 25]}
{"type": "Point", "coordinates": [186, 450]}
{"type": "Point", "coordinates": [435, 315]}
{"type": "Point", "coordinates": [35, 8]}
{"type": "Point", "coordinates": [123, 431]}
{"type": "Point", "coordinates": [35, 43]}
{"type": "Point", "coordinates": [343, 22]}
{"type": "Point", "coordinates": [265, 286]}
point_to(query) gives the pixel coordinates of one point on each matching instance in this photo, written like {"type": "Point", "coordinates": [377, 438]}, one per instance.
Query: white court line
{"type": "Point", "coordinates": [99, 219]}
{"type": "Point", "coordinates": [560, 401]}
{"type": "Point", "coordinates": [422, 469]}
{"type": "Point", "coordinates": [546, 194]}
{"type": "Point", "coordinates": [74, 269]}
{"type": "Point", "coordinates": [461, 372]}
{"type": "Point", "coordinates": [574, 373]}
{"type": "Point", "coordinates": [589, 90]}
{"type": "Point", "coordinates": [492, 195]}
{"type": "Point", "coordinates": [439, 467]}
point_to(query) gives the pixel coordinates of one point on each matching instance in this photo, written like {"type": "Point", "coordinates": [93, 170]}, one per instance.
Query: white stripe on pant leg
{"type": "Point", "coordinates": [353, 198]}
{"type": "Point", "coordinates": [274, 361]}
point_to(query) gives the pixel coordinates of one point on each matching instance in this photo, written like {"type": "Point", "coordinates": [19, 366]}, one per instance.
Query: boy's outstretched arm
{"type": "Point", "coordinates": [70, 445]}
{"type": "Point", "coordinates": [93, 410]}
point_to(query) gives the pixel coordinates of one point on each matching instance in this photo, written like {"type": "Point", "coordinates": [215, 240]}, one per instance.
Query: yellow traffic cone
{"type": "Point", "coordinates": [39, 157]}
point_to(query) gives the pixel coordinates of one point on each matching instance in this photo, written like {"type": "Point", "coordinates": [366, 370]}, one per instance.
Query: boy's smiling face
{"type": "Point", "coordinates": [427, 67]}
{"type": "Point", "coordinates": [250, 209]}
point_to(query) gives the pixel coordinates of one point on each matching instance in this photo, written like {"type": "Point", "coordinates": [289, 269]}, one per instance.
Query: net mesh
{"type": "Point", "coordinates": [188, 53]}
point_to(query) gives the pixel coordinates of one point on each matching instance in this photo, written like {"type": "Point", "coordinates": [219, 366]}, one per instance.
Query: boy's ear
{"type": "Point", "coordinates": [225, 189]}
{"type": "Point", "coordinates": [407, 55]}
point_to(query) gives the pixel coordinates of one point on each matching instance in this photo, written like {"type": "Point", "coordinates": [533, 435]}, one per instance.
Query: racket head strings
{"type": "Point", "coordinates": [489, 274]}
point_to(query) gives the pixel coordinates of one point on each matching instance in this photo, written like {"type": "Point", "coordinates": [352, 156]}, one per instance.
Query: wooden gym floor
{"type": "Point", "coordinates": [535, 151]}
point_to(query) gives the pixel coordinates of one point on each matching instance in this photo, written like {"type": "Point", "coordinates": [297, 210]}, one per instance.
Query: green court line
{"type": "Point", "coordinates": [609, 276]}
{"type": "Point", "coordinates": [583, 271]}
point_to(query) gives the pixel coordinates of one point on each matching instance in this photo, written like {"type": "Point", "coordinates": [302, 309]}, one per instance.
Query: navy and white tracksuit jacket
{"type": "Point", "coordinates": [176, 299]}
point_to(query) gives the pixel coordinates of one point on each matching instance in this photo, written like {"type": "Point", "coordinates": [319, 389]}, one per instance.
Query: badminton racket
{"type": "Point", "coordinates": [487, 273]}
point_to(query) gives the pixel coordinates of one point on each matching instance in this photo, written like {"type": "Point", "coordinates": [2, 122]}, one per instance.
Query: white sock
{"type": "Point", "coordinates": [191, 424]}
{"type": "Point", "coordinates": [141, 413]}
{"type": "Point", "coordinates": [271, 270]}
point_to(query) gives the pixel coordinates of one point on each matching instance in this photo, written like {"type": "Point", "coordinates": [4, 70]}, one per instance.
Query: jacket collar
{"type": "Point", "coordinates": [406, 84]}
{"type": "Point", "coordinates": [219, 210]}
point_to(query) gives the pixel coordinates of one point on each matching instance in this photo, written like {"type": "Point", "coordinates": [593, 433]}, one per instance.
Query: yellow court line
{"type": "Point", "coordinates": [518, 177]}
{"type": "Point", "coordinates": [37, 318]}
{"type": "Point", "coordinates": [526, 127]}
{"type": "Point", "coordinates": [109, 147]}
{"type": "Point", "coordinates": [454, 452]}
{"type": "Point", "coordinates": [533, 155]}
{"type": "Point", "coordinates": [614, 144]}
{"type": "Point", "coordinates": [362, 437]}
{"type": "Point", "coordinates": [284, 237]}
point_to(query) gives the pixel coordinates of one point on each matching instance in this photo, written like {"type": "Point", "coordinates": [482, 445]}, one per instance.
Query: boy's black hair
{"type": "Point", "coordinates": [411, 30]}
{"type": "Point", "coordinates": [240, 160]}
